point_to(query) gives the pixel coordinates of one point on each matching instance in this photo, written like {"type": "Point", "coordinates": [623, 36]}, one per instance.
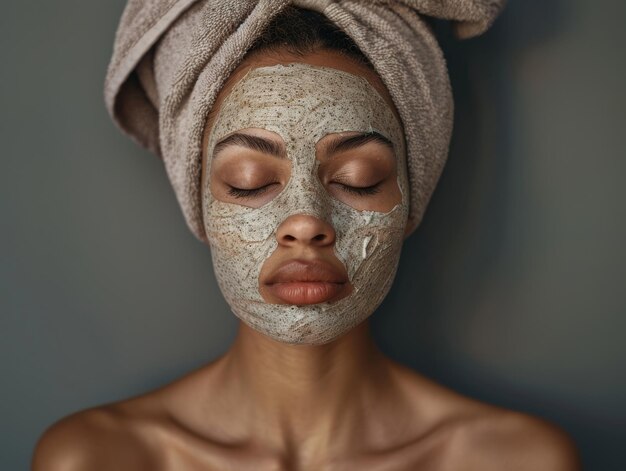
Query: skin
{"type": "Point", "coordinates": [266, 405]}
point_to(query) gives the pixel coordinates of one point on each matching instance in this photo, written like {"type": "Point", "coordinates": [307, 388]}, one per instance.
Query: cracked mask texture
{"type": "Point", "coordinates": [302, 104]}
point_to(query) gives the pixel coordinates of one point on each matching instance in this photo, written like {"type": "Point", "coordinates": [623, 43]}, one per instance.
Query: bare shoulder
{"type": "Point", "coordinates": [472, 435]}
{"type": "Point", "coordinates": [107, 437]}
{"type": "Point", "coordinates": [500, 439]}
{"type": "Point", "coordinates": [126, 435]}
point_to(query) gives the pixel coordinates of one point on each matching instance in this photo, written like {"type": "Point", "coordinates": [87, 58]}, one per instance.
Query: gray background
{"type": "Point", "coordinates": [512, 291]}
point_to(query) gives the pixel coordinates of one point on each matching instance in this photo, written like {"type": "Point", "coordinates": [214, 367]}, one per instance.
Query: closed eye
{"type": "Point", "coordinates": [360, 190]}
{"type": "Point", "coordinates": [248, 193]}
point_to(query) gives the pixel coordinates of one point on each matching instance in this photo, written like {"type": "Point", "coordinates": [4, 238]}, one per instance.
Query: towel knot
{"type": "Point", "coordinates": [471, 17]}
{"type": "Point", "coordinates": [319, 5]}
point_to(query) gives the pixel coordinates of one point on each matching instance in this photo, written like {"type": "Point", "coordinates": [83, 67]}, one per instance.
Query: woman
{"type": "Point", "coordinates": [303, 166]}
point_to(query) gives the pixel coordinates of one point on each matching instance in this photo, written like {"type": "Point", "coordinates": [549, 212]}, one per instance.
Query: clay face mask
{"type": "Point", "coordinates": [302, 104]}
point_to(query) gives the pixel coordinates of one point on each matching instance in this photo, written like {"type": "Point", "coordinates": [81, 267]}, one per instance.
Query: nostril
{"type": "Point", "coordinates": [305, 229]}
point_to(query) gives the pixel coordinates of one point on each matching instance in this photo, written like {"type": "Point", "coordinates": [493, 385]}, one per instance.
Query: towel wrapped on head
{"type": "Point", "coordinates": [172, 57]}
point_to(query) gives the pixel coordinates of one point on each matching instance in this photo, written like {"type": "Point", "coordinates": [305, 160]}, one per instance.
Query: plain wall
{"type": "Point", "coordinates": [511, 291]}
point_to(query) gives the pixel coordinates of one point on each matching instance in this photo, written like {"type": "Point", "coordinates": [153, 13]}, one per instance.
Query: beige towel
{"type": "Point", "coordinates": [161, 95]}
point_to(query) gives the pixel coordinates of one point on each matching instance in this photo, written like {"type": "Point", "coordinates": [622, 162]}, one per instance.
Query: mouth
{"type": "Point", "coordinates": [302, 282]}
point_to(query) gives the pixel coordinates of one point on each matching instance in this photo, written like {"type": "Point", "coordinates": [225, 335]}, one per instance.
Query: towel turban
{"type": "Point", "coordinates": [172, 57]}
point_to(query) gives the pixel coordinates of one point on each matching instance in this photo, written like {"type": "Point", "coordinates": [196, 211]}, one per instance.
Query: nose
{"type": "Point", "coordinates": [306, 230]}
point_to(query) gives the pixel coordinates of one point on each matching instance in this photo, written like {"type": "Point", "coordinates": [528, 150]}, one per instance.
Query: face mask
{"type": "Point", "coordinates": [302, 104]}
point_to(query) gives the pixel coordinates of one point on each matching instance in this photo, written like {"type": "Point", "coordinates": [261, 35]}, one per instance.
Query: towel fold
{"type": "Point", "coordinates": [172, 57]}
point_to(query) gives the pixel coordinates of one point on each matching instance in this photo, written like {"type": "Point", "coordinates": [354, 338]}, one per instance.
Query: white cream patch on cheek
{"type": "Point", "coordinates": [302, 104]}
{"type": "Point", "coordinates": [366, 243]}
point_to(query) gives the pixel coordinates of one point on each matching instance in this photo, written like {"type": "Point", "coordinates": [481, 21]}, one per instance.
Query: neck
{"type": "Point", "coordinates": [295, 392]}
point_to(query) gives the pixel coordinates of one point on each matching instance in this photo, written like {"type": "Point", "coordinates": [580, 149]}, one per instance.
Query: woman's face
{"type": "Point", "coordinates": [305, 194]}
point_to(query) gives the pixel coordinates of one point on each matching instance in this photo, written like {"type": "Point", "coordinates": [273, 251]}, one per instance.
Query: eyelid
{"type": "Point", "coordinates": [360, 190]}
{"type": "Point", "coordinates": [249, 193]}
{"type": "Point", "coordinates": [346, 178]}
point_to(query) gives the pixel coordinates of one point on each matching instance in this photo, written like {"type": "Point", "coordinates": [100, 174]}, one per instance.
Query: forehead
{"type": "Point", "coordinates": [320, 57]}
{"type": "Point", "coordinates": [303, 102]}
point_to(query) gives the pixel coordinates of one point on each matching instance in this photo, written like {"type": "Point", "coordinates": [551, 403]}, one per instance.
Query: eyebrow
{"type": "Point", "coordinates": [256, 143]}
{"type": "Point", "coordinates": [343, 144]}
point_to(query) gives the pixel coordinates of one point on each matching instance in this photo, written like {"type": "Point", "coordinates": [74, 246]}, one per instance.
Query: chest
{"type": "Point", "coordinates": [420, 456]}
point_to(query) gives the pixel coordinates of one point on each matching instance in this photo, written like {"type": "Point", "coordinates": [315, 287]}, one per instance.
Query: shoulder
{"type": "Point", "coordinates": [133, 434]}
{"type": "Point", "coordinates": [107, 437]}
{"type": "Point", "coordinates": [469, 435]}
{"type": "Point", "coordinates": [500, 439]}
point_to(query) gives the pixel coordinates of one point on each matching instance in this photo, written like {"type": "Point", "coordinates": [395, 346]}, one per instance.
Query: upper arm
{"type": "Point", "coordinates": [64, 446]}
{"type": "Point", "coordinates": [546, 447]}
{"type": "Point", "coordinates": [517, 442]}
{"type": "Point", "coordinates": [93, 440]}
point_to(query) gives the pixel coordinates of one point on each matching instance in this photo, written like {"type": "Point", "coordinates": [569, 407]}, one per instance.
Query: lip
{"type": "Point", "coordinates": [303, 282]}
